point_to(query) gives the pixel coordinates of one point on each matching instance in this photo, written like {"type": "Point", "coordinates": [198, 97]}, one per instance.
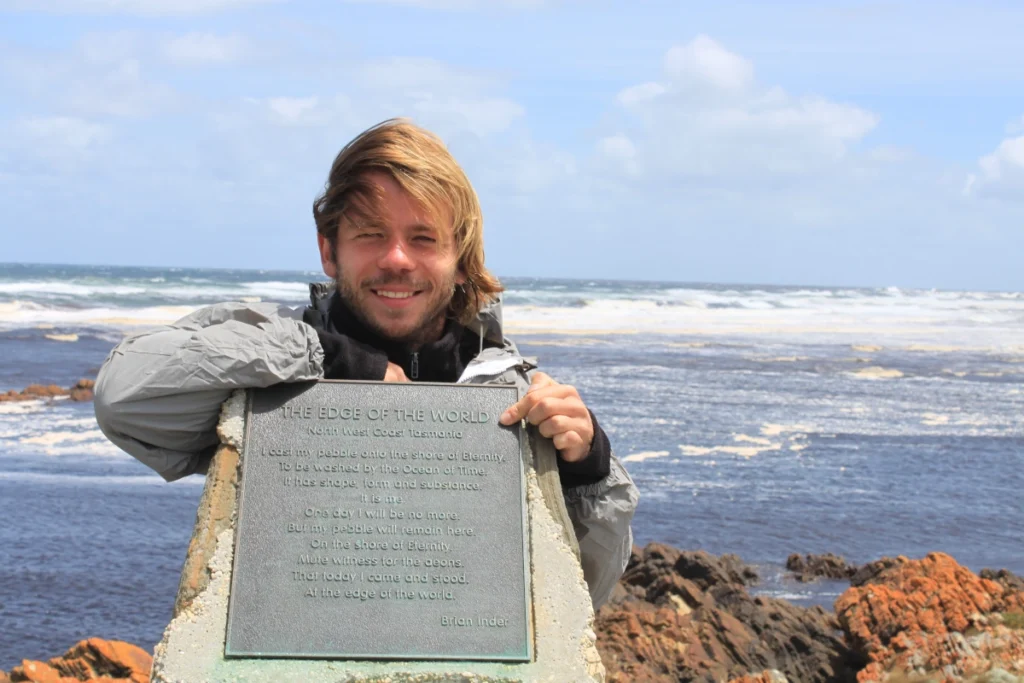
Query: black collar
{"type": "Point", "coordinates": [442, 360]}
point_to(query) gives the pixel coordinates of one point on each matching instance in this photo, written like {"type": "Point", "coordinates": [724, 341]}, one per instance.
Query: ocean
{"type": "Point", "coordinates": [756, 420]}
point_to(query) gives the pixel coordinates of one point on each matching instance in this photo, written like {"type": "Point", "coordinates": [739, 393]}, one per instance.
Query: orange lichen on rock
{"type": "Point", "coordinates": [930, 616]}
{"type": "Point", "coordinates": [97, 660]}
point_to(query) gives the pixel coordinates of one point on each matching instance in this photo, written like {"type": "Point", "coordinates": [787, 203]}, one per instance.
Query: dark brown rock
{"type": "Point", "coordinates": [658, 568]}
{"type": "Point", "coordinates": [869, 572]}
{"type": "Point", "coordinates": [1004, 577]}
{"type": "Point", "coordinates": [810, 567]}
{"type": "Point", "coordinates": [82, 391]}
{"type": "Point", "coordinates": [687, 616]}
{"type": "Point", "coordinates": [708, 571]}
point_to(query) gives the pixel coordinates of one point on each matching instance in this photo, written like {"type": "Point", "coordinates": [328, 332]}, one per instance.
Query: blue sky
{"type": "Point", "coordinates": [873, 144]}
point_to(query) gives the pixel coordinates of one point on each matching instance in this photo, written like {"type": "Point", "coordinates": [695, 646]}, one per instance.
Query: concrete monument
{"type": "Point", "coordinates": [366, 533]}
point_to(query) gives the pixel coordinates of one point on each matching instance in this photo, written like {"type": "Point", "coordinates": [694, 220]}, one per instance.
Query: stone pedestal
{"type": "Point", "coordinates": [192, 648]}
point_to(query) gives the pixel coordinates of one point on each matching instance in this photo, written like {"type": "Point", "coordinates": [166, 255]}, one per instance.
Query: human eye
{"type": "Point", "coordinates": [367, 234]}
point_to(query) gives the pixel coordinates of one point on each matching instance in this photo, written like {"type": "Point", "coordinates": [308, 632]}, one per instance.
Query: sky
{"type": "Point", "coordinates": [805, 143]}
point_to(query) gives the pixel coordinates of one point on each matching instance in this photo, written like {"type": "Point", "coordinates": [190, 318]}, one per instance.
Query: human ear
{"type": "Point", "coordinates": [327, 257]}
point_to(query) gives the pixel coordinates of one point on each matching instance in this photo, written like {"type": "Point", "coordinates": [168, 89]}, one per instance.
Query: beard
{"type": "Point", "coordinates": [426, 328]}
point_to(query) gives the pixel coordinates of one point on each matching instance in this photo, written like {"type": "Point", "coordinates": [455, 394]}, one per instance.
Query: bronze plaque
{"type": "Point", "coordinates": [381, 521]}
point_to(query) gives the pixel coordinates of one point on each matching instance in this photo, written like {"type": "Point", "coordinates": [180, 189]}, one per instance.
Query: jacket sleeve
{"type": "Point", "coordinates": [601, 513]}
{"type": "Point", "coordinates": [158, 394]}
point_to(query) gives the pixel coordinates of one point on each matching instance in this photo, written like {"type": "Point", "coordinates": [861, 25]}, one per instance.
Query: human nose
{"type": "Point", "coordinates": [395, 257]}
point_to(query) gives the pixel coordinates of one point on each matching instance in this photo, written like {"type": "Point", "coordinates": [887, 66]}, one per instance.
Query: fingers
{"type": "Point", "coordinates": [539, 381]}
{"type": "Point", "coordinates": [555, 425]}
{"type": "Point", "coordinates": [395, 373]}
{"type": "Point", "coordinates": [571, 446]}
{"type": "Point", "coordinates": [541, 387]}
{"type": "Point", "coordinates": [559, 414]}
{"type": "Point", "coordinates": [556, 407]}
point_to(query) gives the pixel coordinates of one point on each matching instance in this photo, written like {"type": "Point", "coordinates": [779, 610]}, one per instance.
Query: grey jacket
{"type": "Point", "coordinates": [159, 393]}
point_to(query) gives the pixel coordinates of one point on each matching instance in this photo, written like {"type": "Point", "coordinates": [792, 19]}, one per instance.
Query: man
{"type": "Point", "coordinates": [400, 233]}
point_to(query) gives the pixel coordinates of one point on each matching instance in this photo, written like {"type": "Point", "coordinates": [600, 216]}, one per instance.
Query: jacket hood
{"type": "Point", "coordinates": [487, 324]}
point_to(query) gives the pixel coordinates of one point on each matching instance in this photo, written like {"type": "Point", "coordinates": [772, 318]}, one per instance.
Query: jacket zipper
{"type": "Point", "coordinates": [414, 365]}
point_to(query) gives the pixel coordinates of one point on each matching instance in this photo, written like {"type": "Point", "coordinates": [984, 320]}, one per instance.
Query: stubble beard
{"type": "Point", "coordinates": [430, 325]}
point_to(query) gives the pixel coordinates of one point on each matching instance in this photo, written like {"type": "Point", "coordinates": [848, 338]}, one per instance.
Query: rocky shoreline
{"type": "Point", "coordinates": [689, 616]}
{"type": "Point", "coordinates": [79, 391]}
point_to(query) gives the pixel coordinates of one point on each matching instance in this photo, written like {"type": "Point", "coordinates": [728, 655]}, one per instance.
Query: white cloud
{"type": "Point", "coordinates": [709, 118]}
{"type": "Point", "coordinates": [480, 115]}
{"type": "Point", "coordinates": [204, 48]}
{"type": "Point", "coordinates": [453, 4]}
{"type": "Point", "coordinates": [439, 94]}
{"type": "Point", "coordinates": [619, 148]}
{"type": "Point", "coordinates": [703, 61]}
{"type": "Point", "coordinates": [517, 170]}
{"type": "Point", "coordinates": [890, 154]}
{"type": "Point", "coordinates": [120, 90]}
{"type": "Point", "coordinates": [139, 7]}
{"type": "Point", "coordinates": [416, 74]}
{"type": "Point", "coordinates": [291, 111]}
{"type": "Point", "coordinates": [1001, 173]}
{"type": "Point", "coordinates": [1008, 158]}
{"type": "Point", "coordinates": [102, 74]}
{"type": "Point", "coordinates": [50, 143]}
{"type": "Point", "coordinates": [638, 94]}
{"type": "Point", "coordinates": [110, 47]}
{"type": "Point", "coordinates": [447, 114]}
{"type": "Point", "coordinates": [64, 131]}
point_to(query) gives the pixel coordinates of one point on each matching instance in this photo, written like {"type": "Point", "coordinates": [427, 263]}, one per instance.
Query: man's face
{"type": "Point", "coordinates": [397, 272]}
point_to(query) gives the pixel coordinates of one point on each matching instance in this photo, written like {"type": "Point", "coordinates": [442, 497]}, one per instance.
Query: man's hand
{"type": "Point", "coordinates": [394, 373]}
{"type": "Point", "coordinates": [559, 414]}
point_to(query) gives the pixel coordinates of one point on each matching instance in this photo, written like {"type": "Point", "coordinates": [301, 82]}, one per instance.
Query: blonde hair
{"type": "Point", "coordinates": [422, 166]}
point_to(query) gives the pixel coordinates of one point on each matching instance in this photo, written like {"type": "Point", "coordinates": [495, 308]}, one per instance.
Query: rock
{"type": "Point", "coordinates": [82, 391]}
{"type": "Point", "coordinates": [37, 672]}
{"type": "Point", "coordinates": [770, 676]}
{"type": "Point", "coordinates": [707, 571]}
{"type": "Point", "coordinates": [102, 661]}
{"type": "Point", "coordinates": [656, 568]}
{"type": "Point", "coordinates": [808, 568]}
{"type": "Point", "coordinates": [931, 617]}
{"type": "Point", "coordinates": [1004, 577]}
{"type": "Point", "coordinates": [685, 616]}
{"type": "Point", "coordinates": [868, 572]}
{"type": "Point", "coordinates": [33, 392]}
{"type": "Point", "coordinates": [40, 391]}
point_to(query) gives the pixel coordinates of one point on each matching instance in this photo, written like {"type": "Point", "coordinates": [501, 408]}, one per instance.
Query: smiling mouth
{"type": "Point", "coordinates": [392, 294]}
